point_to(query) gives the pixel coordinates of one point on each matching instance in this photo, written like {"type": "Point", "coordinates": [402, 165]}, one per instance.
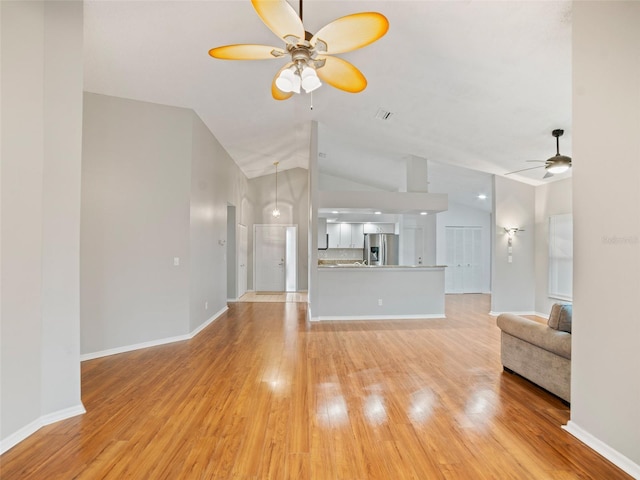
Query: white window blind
{"type": "Point", "coordinates": [561, 256]}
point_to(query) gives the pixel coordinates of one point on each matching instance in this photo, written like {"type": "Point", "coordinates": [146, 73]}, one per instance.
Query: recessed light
{"type": "Point", "coordinates": [378, 213]}
{"type": "Point", "coordinates": [482, 196]}
{"type": "Point", "coordinates": [335, 212]}
{"type": "Point", "coordinates": [424, 213]}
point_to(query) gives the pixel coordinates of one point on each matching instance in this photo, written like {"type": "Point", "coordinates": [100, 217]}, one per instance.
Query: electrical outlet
{"type": "Point", "coordinates": [379, 302]}
{"type": "Point", "coordinates": [206, 305]}
{"type": "Point", "coordinates": [176, 261]}
{"type": "Point", "coordinates": [510, 259]}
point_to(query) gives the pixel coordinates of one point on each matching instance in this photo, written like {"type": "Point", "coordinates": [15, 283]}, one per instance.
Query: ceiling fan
{"type": "Point", "coordinates": [311, 56]}
{"type": "Point", "coordinates": [556, 164]}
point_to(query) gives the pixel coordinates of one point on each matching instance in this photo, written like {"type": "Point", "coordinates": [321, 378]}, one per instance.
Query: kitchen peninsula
{"type": "Point", "coordinates": [359, 292]}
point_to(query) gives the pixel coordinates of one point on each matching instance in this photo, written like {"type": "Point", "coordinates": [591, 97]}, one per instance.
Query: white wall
{"type": "Point", "coordinates": [332, 183]}
{"type": "Point", "coordinates": [156, 184]}
{"type": "Point", "coordinates": [605, 385]}
{"type": "Point", "coordinates": [513, 284]}
{"type": "Point", "coordinates": [136, 180]}
{"type": "Point", "coordinates": [551, 199]}
{"type": "Point", "coordinates": [464, 216]}
{"type": "Point", "coordinates": [216, 182]}
{"type": "Point", "coordinates": [293, 202]}
{"type": "Point", "coordinates": [41, 150]}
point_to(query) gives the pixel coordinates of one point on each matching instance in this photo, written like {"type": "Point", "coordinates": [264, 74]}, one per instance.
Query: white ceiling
{"type": "Point", "coordinates": [475, 84]}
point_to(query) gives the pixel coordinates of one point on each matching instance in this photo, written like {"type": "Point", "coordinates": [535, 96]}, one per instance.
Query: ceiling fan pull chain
{"type": "Point", "coordinates": [311, 101]}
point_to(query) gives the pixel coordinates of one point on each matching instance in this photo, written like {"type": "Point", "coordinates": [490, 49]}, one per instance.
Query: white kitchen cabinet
{"type": "Point", "coordinates": [333, 229]}
{"type": "Point", "coordinates": [351, 235]}
{"type": "Point", "coordinates": [379, 228]}
{"type": "Point", "coordinates": [357, 235]}
{"type": "Point", "coordinates": [346, 235]}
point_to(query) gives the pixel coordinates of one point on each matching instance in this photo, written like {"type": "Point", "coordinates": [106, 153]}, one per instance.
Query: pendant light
{"type": "Point", "coordinates": [276, 211]}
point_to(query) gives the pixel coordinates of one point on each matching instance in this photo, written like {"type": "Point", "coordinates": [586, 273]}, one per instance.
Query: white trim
{"type": "Point", "coordinates": [563, 298]}
{"type": "Point", "coordinates": [542, 315]}
{"type": "Point", "coordinates": [153, 343]}
{"type": "Point", "coordinates": [495, 314]}
{"type": "Point", "coordinates": [211, 319]}
{"type": "Point", "coordinates": [378, 317]}
{"type": "Point", "coordinates": [603, 449]}
{"type": "Point", "coordinates": [28, 430]}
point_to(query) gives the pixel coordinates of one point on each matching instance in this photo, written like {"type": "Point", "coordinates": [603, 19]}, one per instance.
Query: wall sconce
{"type": "Point", "coordinates": [511, 232]}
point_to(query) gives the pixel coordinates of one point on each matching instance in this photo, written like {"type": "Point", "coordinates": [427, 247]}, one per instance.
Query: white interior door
{"type": "Point", "coordinates": [270, 253]}
{"type": "Point", "coordinates": [243, 245]}
{"type": "Point", "coordinates": [453, 272]}
{"type": "Point", "coordinates": [472, 271]}
{"type": "Point", "coordinates": [412, 252]}
{"type": "Point", "coordinates": [464, 260]}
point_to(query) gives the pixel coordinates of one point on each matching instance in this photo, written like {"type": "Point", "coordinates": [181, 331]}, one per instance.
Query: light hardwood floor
{"type": "Point", "coordinates": [274, 297]}
{"type": "Point", "coordinates": [263, 394]}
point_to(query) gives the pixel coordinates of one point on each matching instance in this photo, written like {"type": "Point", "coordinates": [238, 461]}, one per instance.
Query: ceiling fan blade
{"type": "Point", "coordinates": [246, 52]}
{"type": "Point", "coordinates": [524, 170]}
{"type": "Point", "coordinates": [281, 18]}
{"type": "Point", "coordinates": [541, 161]}
{"type": "Point", "coordinates": [350, 32]}
{"type": "Point", "coordinates": [276, 93]}
{"type": "Point", "coordinates": [342, 75]}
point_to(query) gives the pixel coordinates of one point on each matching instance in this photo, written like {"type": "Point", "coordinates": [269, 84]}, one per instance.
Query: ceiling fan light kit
{"type": "Point", "coordinates": [312, 60]}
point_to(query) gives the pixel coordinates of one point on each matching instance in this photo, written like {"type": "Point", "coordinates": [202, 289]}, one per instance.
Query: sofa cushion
{"type": "Point", "coordinates": [560, 317]}
{"type": "Point", "coordinates": [536, 333]}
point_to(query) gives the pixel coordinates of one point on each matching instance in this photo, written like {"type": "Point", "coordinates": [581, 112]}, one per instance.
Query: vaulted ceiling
{"type": "Point", "coordinates": [474, 84]}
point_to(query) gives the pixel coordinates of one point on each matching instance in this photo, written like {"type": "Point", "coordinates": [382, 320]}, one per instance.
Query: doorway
{"type": "Point", "coordinates": [243, 243]}
{"type": "Point", "coordinates": [231, 253]}
{"type": "Point", "coordinates": [275, 258]}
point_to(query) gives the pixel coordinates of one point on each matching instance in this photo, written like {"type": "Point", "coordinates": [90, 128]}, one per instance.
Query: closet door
{"type": "Point", "coordinates": [464, 260]}
{"type": "Point", "coordinates": [453, 272]}
{"type": "Point", "coordinates": [472, 261]}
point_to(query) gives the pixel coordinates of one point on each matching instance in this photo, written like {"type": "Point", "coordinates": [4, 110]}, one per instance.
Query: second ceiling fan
{"type": "Point", "coordinates": [554, 165]}
{"type": "Point", "coordinates": [312, 56]}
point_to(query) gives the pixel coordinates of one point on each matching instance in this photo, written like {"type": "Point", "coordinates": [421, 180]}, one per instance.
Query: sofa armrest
{"type": "Point", "coordinates": [536, 333]}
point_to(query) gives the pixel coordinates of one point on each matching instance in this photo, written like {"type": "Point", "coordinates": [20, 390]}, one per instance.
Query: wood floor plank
{"type": "Point", "coordinates": [263, 394]}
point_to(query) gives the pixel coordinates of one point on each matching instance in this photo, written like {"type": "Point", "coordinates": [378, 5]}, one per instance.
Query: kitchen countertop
{"type": "Point", "coordinates": [352, 266]}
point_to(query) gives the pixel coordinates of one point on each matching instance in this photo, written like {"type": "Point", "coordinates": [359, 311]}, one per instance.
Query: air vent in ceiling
{"type": "Point", "coordinates": [383, 114]}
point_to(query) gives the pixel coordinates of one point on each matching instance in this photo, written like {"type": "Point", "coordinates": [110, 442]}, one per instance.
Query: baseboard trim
{"type": "Point", "coordinates": [349, 318]}
{"type": "Point", "coordinates": [153, 343]}
{"type": "Point", "coordinates": [542, 315]}
{"type": "Point", "coordinates": [211, 319]}
{"type": "Point", "coordinates": [28, 430]}
{"type": "Point", "coordinates": [495, 314]}
{"type": "Point", "coordinates": [603, 449]}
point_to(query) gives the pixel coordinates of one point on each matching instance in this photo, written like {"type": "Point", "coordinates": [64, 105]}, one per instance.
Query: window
{"type": "Point", "coordinates": [561, 256]}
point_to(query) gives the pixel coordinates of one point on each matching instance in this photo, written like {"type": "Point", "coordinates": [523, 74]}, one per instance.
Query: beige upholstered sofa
{"type": "Point", "coordinates": [538, 352]}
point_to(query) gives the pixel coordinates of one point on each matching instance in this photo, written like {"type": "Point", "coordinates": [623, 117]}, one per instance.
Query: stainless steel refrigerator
{"type": "Point", "coordinates": [381, 248]}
